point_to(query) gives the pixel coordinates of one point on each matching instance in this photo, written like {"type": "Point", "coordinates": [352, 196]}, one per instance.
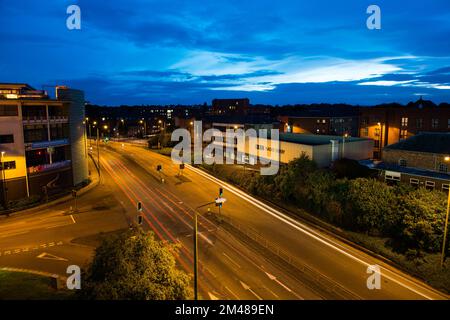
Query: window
{"type": "Point", "coordinates": [429, 185]}
{"type": "Point", "coordinates": [8, 165]}
{"type": "Point", "coordinates": [414, 182]}
{"type": "Point", "coordinates": [6, 138]}
{"type": "Point", "coordinates": [403, 134]}
{"type": "Point", "coordinates": [377, 132]}
{"type": "Point", "coordinates": [402, 162]}
{"type": "Point", "coordinates": [8, 111]}
{"type": "Point", "coordinates": [443, 168]}
{"type": "Point", "coordinates": [419, 123]}
{"type": "Point", "coordinates": [435, 123]}
{"type": "Point", "coordinates": [404, 122]}
{"type": "Point", "coordinates": [365, 132]}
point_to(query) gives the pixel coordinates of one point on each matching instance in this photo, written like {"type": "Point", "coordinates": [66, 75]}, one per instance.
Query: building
{"type": "Point", "coordinates": [42, 141]}
{"type": "Point", "coordinates": [230, 106]}
{"type": "Point", "coordinates": [389, 124]}
{"type": "Point", "coordinates": [422, 160]}
{"type": "Point", "coordinates": [320, 148]}
{"type": "Point", "coordinates": [325, 120]}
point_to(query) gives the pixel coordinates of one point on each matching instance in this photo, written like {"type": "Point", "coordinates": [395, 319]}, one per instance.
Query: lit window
{"type": "Point", "coordinates": [404, 122]}
{"type": "Point", "coordinates": [403, 134]}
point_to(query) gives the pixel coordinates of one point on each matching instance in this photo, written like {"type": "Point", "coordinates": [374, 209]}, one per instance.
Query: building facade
{"type": "Point", "coordinates": [390, 124]}
{"type": "Point", "coordinates": [420, 161]}
{"type": "Point", "coordinates": [42, 141]}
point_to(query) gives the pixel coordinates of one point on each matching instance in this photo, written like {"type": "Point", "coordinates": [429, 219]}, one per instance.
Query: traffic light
{"type": "Point", "coordinates": [140, 220]}
{"type": "Point", "coordinates": [139, 206]}
{"type": "Point", "coordinates": [158, 167]}
{"type": "Point", "coordinates": [74, 193]}
{"type": "Point", "coordinates": [220, 192]}
{"type": "Point", "coordinates": [181, 166]}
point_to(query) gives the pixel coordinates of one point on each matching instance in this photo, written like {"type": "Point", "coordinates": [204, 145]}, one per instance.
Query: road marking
{"type": "Point", "coordinates": [247, 287]}
{"type": "Point", "coordinates": [49, 256]}
{"type": "Point", "coordinates": [232, 261]}
{"type": "Point", "coordinates": [305, 229]}
{"type": "Point", "coordinates": [271, 291]}
{"type": "Point", "coordinates": [232, 293]}
{"type": "Point", "coordinates": [72, 219]}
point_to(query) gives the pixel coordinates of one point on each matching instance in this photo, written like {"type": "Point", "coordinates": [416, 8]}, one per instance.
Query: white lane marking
{"type": "Point", "coordinates": [232, 293]}
{"type": "Point", "coordinates": [232, 261]}
{"type": "Point", "coordinates": [73, 219]}
{"type": "Point", "coordinates": [271, 291]}
{"type": "Point", "coordinates": [301, 227]}
{"type": "Point", "coordinates": [49, 256]}
{"type": "Point", "coordinates": [247, 288]}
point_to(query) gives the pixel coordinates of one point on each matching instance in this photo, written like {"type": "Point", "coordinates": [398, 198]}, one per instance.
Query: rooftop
{"type": "Point", "coordinates": [315, 139]}
{"type": "Point", "coordinates": [429, 142]}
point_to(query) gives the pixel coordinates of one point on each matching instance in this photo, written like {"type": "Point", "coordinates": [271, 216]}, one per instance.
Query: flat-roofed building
{"type": "Point", "coordinates": [422, 160]}
{"type": "Point", "coordinates": [42, 141]}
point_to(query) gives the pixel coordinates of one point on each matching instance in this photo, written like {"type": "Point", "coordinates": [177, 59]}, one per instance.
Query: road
{"type": "Point", "coordinates": [232, 265]}
{"type": "Point", "coordinates": [247, 251]}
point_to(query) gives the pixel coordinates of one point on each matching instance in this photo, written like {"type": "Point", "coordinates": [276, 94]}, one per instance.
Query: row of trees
{"type": "Point", "coordinates": [413, 219]}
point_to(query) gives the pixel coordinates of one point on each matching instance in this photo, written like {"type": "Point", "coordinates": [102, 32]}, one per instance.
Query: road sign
{"type": "Point", "coordinates": [220, 200]}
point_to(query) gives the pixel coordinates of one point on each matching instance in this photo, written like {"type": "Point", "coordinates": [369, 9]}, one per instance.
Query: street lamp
{"type": "Point", "coordinates": [343, 144]}
{"type": "Point", "coordinates": [5, 188]}
{"type": "Point", "coordinates": [447, 159]}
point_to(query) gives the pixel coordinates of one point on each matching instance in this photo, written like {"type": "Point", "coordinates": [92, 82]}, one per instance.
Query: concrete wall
{"type": "Point", "coordinates": [77, 117]}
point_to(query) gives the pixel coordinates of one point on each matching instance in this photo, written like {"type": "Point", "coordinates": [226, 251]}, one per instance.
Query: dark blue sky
{"type": "Point", "coordinates": [278, 52]}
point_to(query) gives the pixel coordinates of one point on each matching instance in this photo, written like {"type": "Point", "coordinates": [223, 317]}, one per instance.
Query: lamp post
{"type": "Point", "coordinates": [145, 125]}
{"type": "Point", "coordinates": [5, 188]}
{"type": "Point", "coordinates": [343, 144]}
{"type": "Point", "coordinates": [447, 159]}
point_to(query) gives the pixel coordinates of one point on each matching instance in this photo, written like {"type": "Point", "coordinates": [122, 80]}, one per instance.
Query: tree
{"type": "Point", "coordinates": [422, 223]}
{"type": "Point", "coordinates": [134, 266]}
{"type": "Point", "coordinates": [370, 206]}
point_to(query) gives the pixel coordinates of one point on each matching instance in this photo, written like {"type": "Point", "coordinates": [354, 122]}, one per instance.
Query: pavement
{"type": "Point", "coordinates": [248, 250]}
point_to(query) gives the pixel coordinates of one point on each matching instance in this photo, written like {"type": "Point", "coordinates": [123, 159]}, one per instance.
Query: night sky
{"type": "Point", "coordinates": [275, 52]}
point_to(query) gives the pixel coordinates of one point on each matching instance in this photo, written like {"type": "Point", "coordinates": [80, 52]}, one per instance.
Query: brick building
{"type": "Point", "coordinates": [421, 160]}
{"type": "Point", "coordinates": [389, 124]}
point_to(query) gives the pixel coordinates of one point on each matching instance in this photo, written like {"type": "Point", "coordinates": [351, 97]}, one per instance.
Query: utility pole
{"type": "Point", "coordinates": [5, 187]}
{"type": "Point", "coordinates": [98, 151]}
{"type": "Point", "coordinates": [219, 201]}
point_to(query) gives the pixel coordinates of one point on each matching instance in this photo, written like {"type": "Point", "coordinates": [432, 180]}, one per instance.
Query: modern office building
{"type": "Point", "coordinates": [42, 141]}
{"type": "Point", "coordinates": [389, 124]}
{"type": "Point", "coordinates": [422, 160]}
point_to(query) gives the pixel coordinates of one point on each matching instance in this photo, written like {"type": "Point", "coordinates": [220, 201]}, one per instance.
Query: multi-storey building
{"type": "Point", "coordinates": [389, 124]}
{"type": "Point", "coordinates": [42, 141]}
{"type": "Point", "coordinates": [324, 120]}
